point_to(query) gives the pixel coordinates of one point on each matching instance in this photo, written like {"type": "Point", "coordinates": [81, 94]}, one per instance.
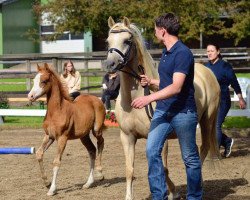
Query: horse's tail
{"type": "Point", "coordinates": [213, 143]}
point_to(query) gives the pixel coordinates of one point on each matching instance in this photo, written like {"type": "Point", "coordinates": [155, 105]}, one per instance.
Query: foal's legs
{"type": "Point", "coordinates": [39, 156]}
{"type": "Point", "coordinates": [100, 146]}
{"type": "Point", "coordinates": [171, 187]}
{"type": "Point", "coordinates": [128, 142]}
{"type": "Point", "coordinates": [86, 141]}
{"type": "Point", "coordinates": [61, 144]}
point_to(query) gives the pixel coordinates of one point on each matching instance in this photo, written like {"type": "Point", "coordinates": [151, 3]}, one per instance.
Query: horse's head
{"type": "Point", "coordinates": [120, 43]}
{"type": "Point", "coordinates": [41, 82]}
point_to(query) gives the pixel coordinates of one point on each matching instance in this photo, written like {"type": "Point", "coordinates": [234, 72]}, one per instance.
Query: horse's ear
{"type": "Point", "coordinates": [111, 22]}
{"type": "Point", "coordinates": [46, 66]}
{"type": "Point", "coordinates": [126, 21]}
{"type": "Point", "coordinates": [38, 68]}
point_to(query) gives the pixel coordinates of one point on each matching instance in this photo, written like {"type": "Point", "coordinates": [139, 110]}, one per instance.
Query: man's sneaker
{"type": "Point", "coordinates": [228, 149]}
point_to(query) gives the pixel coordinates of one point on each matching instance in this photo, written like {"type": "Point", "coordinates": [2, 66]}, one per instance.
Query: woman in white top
{"type": "Point", "coordinates": [72, 78]}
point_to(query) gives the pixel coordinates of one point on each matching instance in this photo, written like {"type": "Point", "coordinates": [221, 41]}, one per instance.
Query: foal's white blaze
{"type": "Point", "coordinates": [36, 90]}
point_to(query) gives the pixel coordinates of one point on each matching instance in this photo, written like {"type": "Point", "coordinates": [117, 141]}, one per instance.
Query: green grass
{"type": "Point", "coordinates": [245, 75]}
{"type": "Point", "coordinates": [237, 122]}
{"type": "Point", "coordinates": [93, 81]}
{"type": "Point", "coordinates": [13, 87]}
{"type": "Point", "coordinates": [22, 122]}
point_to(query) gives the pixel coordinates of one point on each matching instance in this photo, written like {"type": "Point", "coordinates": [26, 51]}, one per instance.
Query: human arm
{"type": "Point", "coordinates": [105, 82]}
{"type": "Point", "coordinates": [236, 86]}
{"type": "Point", "coordinates": [167, 92]}
{"type": "Point", "coordinates": [76, 86]}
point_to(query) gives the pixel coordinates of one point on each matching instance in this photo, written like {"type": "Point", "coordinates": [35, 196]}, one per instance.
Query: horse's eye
{"type": "Point", "coordinates": [128, 42]}
{"type": "Point", "coordinates": [44, 82]}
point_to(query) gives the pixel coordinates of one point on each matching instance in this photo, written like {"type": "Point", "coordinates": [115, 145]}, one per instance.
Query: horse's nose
{"type": "Point", "coordinates": [30, 96]}
{"type": "Point", "coordinates": [108, 64]}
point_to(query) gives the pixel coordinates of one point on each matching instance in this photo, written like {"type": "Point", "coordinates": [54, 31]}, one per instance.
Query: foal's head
{"type": "Point", "coordinates": [44, 81]}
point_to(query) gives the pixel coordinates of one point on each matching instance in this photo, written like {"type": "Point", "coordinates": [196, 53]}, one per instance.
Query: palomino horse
{"type": "Point", "coordinates": [126, 53]}
{"type": "Point", "coordinates": [66, 120]}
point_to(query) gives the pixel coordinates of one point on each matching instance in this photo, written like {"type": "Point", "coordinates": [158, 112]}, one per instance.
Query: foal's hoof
{"type": "Point", "coordinates": [98, 176]}
{"type": "Point", "coordinates": [50, 193]}
{"type": "Point", "coordinates": [87, 185]}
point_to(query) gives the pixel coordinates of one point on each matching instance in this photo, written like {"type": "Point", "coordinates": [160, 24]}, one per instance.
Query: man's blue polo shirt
{"type": "Point", "coordinates": [178, 59]}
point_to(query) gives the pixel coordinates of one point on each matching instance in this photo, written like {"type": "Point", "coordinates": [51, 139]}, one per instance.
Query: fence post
{"type": "Point", "coordinates": [59, 65]}
{"type": "Point", "coordinates": [28, 80]}
{"type": "Point", "coordinates": [86, 79]}
{"type": "Point", "coordinates": [248, 96]}
{"type": "Point", "coordinates": [54, 63]}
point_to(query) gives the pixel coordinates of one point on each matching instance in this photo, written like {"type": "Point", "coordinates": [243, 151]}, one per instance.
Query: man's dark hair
{"type": "Point", "coordinates": [170, 22]}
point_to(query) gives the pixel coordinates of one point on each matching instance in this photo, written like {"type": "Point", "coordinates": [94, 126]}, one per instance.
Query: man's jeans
{"type": "Point", "coordinates": [222, 139]}
{"type": "Point", "coordinates": [184, 124]}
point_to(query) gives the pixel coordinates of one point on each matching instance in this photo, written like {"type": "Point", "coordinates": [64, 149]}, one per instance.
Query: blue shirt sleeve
{"type": "Point", "coordinates": [183, 61]}
{"type": "Point", "coordinates": [233, 79]}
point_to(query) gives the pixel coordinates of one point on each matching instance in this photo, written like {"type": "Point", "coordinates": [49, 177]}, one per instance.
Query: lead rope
{"type": "Point", "coordinates": [149, 108]}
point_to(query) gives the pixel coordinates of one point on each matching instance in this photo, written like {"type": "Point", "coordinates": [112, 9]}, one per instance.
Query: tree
{"type": "Point", "coordinates": [196, 17]}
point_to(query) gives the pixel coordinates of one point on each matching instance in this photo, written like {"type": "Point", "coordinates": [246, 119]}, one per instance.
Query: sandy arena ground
{"type": "Point", "coordinates": [20, 175]}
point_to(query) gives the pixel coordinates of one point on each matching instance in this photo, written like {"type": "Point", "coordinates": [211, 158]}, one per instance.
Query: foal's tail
{"type": "Point", "coordinates": [100, 113]}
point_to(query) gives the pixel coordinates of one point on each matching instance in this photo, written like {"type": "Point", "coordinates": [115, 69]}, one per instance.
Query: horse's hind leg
{"type": "Point", "coordinates": [100, 146]}
{"type": "Point", "coordinates": [39, 156]}
{"type": "Point", "coordinates": [128, 142]}
{"type": "Point", "coordinates": [86, 141]}
{"type": "Point", "coordinates": [61, 144]}
{"type": "Point", "coordinates": [171, 186]}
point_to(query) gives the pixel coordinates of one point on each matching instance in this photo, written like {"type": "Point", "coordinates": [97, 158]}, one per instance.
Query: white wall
{"type": "Point", "coordinates": [63, 46]}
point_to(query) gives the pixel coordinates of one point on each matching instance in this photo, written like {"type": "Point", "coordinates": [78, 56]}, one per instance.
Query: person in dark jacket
{"type": "Point", "coordinates": [111, 87]}
{"type": "Point", "coordinates": [225, 76]}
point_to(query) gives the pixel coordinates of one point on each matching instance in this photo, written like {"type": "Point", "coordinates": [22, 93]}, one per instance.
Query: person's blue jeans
{"type": "Point", "coordinates": [223, 140]}
{"type": "Point", "coordinates": [184, 124]}
{"type": "Point", "coordinates": [107, 96]}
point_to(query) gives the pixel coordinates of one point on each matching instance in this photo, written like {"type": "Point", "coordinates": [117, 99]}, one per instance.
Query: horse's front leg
{"type": "Point", "coordinates": [128, 142]}
{"type": "Point", "coordinates": [61, 144]}
{"type": "Point", "coordinates": [39, 156]}
{"type": "Point", "coordinates": [171, 187]}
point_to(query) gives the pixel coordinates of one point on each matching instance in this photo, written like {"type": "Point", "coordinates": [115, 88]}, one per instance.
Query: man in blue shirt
{"type": "Point", "coordinates": [175, 110]}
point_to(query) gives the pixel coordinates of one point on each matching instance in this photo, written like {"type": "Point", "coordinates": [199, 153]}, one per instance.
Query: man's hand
{"type": "Point", "coordinates": [141, 102]}
{"type": "Point", "coordinates": [145, 80]}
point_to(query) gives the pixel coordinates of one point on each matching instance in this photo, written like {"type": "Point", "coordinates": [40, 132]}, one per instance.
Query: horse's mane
{"type": "Point", "coordinates": [62, 85]}
{"type": "Point", "coordinates": [145, 59]}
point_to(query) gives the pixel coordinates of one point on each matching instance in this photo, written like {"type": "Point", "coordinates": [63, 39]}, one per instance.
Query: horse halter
{"type": "Point", "coordinates": [125, 57]}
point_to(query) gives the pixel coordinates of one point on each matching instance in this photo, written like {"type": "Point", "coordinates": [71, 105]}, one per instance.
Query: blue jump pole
{"type": "Point", "coordinates": [17, 150]}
